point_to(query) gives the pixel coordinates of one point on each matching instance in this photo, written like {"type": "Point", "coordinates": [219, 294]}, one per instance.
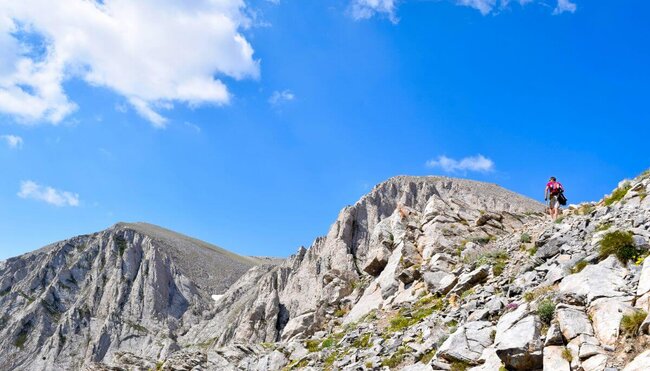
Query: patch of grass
{"type": "Point", "coordinates": [503, 368]}
{"type": "Point", "coordinates": [396, 358]}
{"type": "Point", "coordinates": [466, 293]}
{"type": "Point", "coordinates": [580, 265]}
{"type": "Point", "coordinates": [399, 323]}
{"type": "Point", "coordinates": [363, 341]}
{"type": "Point", "coordinates": [159, 365]}
{"type": "Point", "coordinates": [121, 244]}
{"type": "Point", "coordinates": [534, 294]}
{"type": "Point", "coordinates": [525, 238]}
{"type": "Point", "coordinates": [532, 251]}
{"type": "Point", "coordinates": [328, 343]}
{"type": "Point", "coordinates": [30, 299]}
{"type": "Point", "coordinates": [341, 312]}
{"type": "Point", "coordinates": [312, 345]}
{"type": "Point", "coordinates": [604, 226]}
{"type": "Point", "coordinates": [618, 194]}
{"type": "Point", "coordinates": [368, 364]}
{"type": "Point", "coordinates": [559, 219]}
{"type": "Point", "coordinates": [428, 356]}
{"type": "Point", "coordinates": [459, 366]}
{"type": "Point", "coordinates": [22, 336]}
{"type": "Point", "coordinates": [498, 267]}
{"type": "Point", "coordinates": [20, 340]}
{"type": "Point", "coordinates": [546, 310]}
{"type": "Point", "coordinates": [566, 354]}
{"type": "Point", "coordinates": [5, 291]}
{"type": "Point", "coordinates": [268, 346]}
{"type": "Point", "coordinates": [585, 209]}
{"type": "Point", "coordinates": [630, 323]}
{"type": "Point", "coordinates": [621, 244]}
{"type": "Point", "coordinates": [643, 194]}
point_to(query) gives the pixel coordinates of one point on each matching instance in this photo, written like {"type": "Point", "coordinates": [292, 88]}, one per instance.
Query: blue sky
{"type": "Point", "coordinates": [252, 128]}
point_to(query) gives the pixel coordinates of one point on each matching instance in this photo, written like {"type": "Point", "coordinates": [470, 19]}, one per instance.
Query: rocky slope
{"type": "Point", "coordinates": [423, 273]}
{"type": "Point", "coordinates": [132, 287]}
{"type": "Point", "coordinates": [441, 274]}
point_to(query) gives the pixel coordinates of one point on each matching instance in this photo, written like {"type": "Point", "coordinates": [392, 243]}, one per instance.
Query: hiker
{"type": "Point", "coordinates": [551, 193]}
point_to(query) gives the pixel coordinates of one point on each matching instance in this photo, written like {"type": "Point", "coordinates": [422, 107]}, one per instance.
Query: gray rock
{"type": "Point", "coordinates": [554, 359]}
{"type": "Point", "coordinates": [519, 346]}
{"type": "Point", "coordinates": [573, 321]}
{"type": "Point", "coordinates": [469, 280]}
{"type": "Point", "coordinates": [439, 282]}
{"type": "Point", "coordinates": [640, 363]}
{"type": "Point", "coordinates": [553, 336]}
{"type": "Point", "coordinates": [468, 342]}
{"type": "Point", "coordinates": [604, 280]}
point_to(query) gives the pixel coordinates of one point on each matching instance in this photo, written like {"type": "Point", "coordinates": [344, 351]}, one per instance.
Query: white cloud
{"type": "Point", "coordinates": [564, 6]}
{"type": "Point", "coordinates": [281, 96]}
{"type": "Point", "coordinates": [35, 191]}
{"type": "Point", "coordinates": [152, 52]}
{"type": "Point", "coordinates": [364, 9]}
{"type": "Point", "coordinates": [13, 141]}
{"type": "Point", "coordinates": [477, 163]}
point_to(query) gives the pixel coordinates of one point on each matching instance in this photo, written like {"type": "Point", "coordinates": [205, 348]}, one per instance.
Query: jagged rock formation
{"type": "Point", "coordinates": [133, 287]}
{"type": "Point", "coordinates": [442, 288]}
{"type": "Point", "coordinates": [423, 273]}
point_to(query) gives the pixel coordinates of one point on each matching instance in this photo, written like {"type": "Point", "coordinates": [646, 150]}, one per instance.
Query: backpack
{"type": "Point", "coordinates": [561, 199]}
{"type": "Point", "coordinates": [555, 188]}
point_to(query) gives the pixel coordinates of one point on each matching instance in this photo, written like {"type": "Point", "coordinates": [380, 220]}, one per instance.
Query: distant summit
{"type": "Point", "coordinates": [85, 299]}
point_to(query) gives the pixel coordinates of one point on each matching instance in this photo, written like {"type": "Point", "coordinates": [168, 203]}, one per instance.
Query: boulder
{"type": "Point", "coordinates": [377, 261]}
{"type": "Point", "coordinates": [298, 325]}
{"type": "Point", "coordinates": [554, 359]}
{"type": "Point", "coordinates": [603, 280]}
{"type": "Point", "coordinates": [489, 361]}
{"type": "Point", "coordinates": [553, 336]}
{"type": "Point", "coordinates": [468, 342]}
{"type": "Point", "coordinates": [439, 282]}
{"type": "Point", "coordinates": [517, 340]}
{"type": "Point", "coordinates": [595, 363]}
{"type": "Point", "coordinates": [606, 315]}
{"type": "Point", "coordinates": [573, 321]}
{"type": "Point", "coordinates": [640, 363]}
{"type": "Point", "coordinates": [469, 280]}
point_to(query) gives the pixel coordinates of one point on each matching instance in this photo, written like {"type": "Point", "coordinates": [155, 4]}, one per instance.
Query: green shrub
{"type": "Point", "coordinates": [619, 243]}
{"type": "Point", "coordinates": [459, 366]}
{"type": "Point", "coordinates": [498, 267]}
{"type": "Point", "coordinates": [20, 340]}
{"type": "Point", "coordinates": [340, 312]}
{"type": "Point", "coordinates": [396, 358]}
{"type": "Point", "coordinates": [603, 226]}
{"type": "Point", "coordinates": [525, 238]}
{"type": "Point", "coordinates": [566, 354]}
{"type": "Point", "coordinates": [618, 194]}
{"type": "Point", "coordinates": [580, 265]}
{"type": "Point", "coordinates": [559, 220]}
{"type": "Point", "coordinates": [363, 341]}
{"type": "Point", "coordinates": [121, 244]}
{"type": "Point", "coordinates": [546, 310]}
{"type": "Point", "coordinates": [328, 343]}
{"type": "Point", "coordinates": [312, 345]}
{"type": "Point", "coordinates": [630, 323]}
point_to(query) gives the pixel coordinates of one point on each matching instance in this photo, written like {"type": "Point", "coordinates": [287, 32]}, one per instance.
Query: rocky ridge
{"type": "Point", "coordinates": [423, 273]}
{"type": "Point", "coordinates": [438, 282]}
